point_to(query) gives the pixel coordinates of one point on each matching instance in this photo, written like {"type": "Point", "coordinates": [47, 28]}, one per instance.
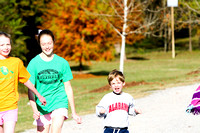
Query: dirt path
{"type": "Point", "coordinates": [163, 112]}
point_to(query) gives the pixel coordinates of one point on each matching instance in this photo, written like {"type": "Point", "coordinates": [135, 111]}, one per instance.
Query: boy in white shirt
{"type": "Point", "coordinates": [116, 106]}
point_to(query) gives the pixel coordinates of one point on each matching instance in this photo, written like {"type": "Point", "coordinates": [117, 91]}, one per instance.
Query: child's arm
{"type": "Point", "coordinates": [70, 95]}
{"type": "Point", "coordinates": [137, 110]}
{"type": "Point", "coordinates": [34, 90]}
{"type": "Point", "coordinates": [100, 111]}
{"type": "Point", "coordinates": [102, 107]}
{"type": "Point", "coordinates": [133, 110]}
{"type": "Point", "coordinates": [36, 113]}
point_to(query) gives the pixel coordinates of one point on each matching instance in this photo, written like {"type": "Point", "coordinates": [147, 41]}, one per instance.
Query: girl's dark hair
{"type": "Point", "coordinates": [46, 32]}
{"type": "Point", "coordinates": [6, 35]}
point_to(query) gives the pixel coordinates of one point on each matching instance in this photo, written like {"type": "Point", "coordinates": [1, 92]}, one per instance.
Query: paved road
{"type": "Point", "coordinates": [163, 112]}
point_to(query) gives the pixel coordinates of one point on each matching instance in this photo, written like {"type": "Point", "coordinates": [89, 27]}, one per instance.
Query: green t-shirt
{"type": "Point", "coordinates": [48, 78]}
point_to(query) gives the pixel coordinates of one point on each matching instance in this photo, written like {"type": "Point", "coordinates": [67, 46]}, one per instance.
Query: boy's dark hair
{"type": "Point", "coordinates": [46, 32]}
{"type": "Point", "coordinates": [6, 35]}
{"type": "Point", "coordinates": [115, 73]}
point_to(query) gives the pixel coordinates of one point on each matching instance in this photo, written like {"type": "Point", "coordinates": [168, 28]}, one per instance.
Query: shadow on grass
{"type": "Point", "coordinates": [100, 73]}
{"type": "Point", "coordinates": [77, 68]}
{"type": "Point", "coordinates": [137, 58]}
{"type": "Point", "coordinates": [85, 68]}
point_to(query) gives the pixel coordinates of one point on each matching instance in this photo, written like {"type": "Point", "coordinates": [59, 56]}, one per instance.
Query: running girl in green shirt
{"type": "Point", "coordinates": [51, 75]}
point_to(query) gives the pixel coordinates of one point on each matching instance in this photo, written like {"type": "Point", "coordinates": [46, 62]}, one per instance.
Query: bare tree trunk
{"type": "Point", "coordinates": [123, 36]}
{"type": "Point", "coordinates": [80, 63]}
{"type": "Point", "coordinates": [165, 31]}
{"type": "Point", "coordinates": [190, 33]}
{"type": "Point", "coordinates": [132, 11]}
{"type": "Point", "coordinates": [122, 54]}
{"type": "Point", "coordinates": [165, 42]}
{"type": "Point", "coordinates": [199, 42]}
{"type": "Point", "coordinates": [169, 38]}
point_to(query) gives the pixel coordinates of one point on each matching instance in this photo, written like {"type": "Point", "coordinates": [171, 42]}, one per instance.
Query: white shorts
{"type": "Point", "coordinates": [47, 118]}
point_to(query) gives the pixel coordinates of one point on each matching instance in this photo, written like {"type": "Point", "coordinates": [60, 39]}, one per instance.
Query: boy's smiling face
{"type": "Point", "coordinates": [116, 84]}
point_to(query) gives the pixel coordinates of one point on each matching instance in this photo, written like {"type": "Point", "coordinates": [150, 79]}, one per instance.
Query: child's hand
{"type": "Point", "coordinates": [36, 115]}
{"type": "Point", "coordinates": [138, 110]}
{"type": "Point", "coordinates": [102, 111]}
{"type": "Point", "coordinates": [77, 118]}
{"type": "Point", "coordinates": [42, 100]}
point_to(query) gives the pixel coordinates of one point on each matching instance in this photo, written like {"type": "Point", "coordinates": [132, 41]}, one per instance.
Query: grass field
{"type": "Point", "coordinates": [145, 73]}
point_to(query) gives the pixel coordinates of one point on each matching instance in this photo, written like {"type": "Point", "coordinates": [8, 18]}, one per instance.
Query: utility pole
{"type": "Point", "coordinates": [172, 4]}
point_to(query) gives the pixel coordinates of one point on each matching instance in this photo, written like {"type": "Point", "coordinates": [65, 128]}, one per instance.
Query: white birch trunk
{"type": "Point", "coordinates": [123, 36]}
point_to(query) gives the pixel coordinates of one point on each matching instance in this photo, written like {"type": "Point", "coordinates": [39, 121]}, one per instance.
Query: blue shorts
{"type": "Point", "coordinates": [116, 130]}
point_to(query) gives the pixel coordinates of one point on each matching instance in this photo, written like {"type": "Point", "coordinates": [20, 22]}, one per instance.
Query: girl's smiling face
{"type": "Point", "coordinates": [46, 43]}
{"type": "Point", "coordinates": [5, 47]}
{"type": "Point", "coordinates": [116, 84]}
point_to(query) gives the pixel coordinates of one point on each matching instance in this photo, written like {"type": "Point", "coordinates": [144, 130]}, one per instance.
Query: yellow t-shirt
{"type": "Point", "coordinates": [12, 70]}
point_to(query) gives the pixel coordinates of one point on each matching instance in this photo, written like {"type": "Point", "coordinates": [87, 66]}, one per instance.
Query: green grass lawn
{"type": "Point", "coordinates": [156, 71]}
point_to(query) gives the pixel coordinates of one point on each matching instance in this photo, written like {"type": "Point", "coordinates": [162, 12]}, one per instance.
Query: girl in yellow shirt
{"type": "Point", "coordinates": [12, 70]}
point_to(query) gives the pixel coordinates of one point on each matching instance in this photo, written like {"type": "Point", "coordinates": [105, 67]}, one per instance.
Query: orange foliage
{"type": "Point", "coordinates": [79, 36]}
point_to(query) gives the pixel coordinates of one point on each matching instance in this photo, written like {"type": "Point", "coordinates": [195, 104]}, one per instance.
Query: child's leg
{"type": "Point", "coordinates": [43, 129]}
{"type": "Point", "coordinates": [1, 122]}
{"type": "Point", "coordinates": [1, 128]}
{"type": "Point", "coordinates": [9, 126]}
{"type": "Point", "coordinates": [57, 123]}
{"type": "Point", "coordinates": [8, 121]}
{"type": "Point", "coordinates": [43, 123]}
{"type": "Point", "coordinates": [58, 116]}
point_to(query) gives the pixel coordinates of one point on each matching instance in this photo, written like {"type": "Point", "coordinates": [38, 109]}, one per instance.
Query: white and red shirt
{"type": "Point", "coordinates": [118, 107]}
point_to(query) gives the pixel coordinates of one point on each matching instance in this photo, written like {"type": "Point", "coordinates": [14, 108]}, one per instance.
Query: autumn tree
{"type": "Point", "coordinates": [80, 36]}
{"type": "Point", "coordinates": [127, 18]}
